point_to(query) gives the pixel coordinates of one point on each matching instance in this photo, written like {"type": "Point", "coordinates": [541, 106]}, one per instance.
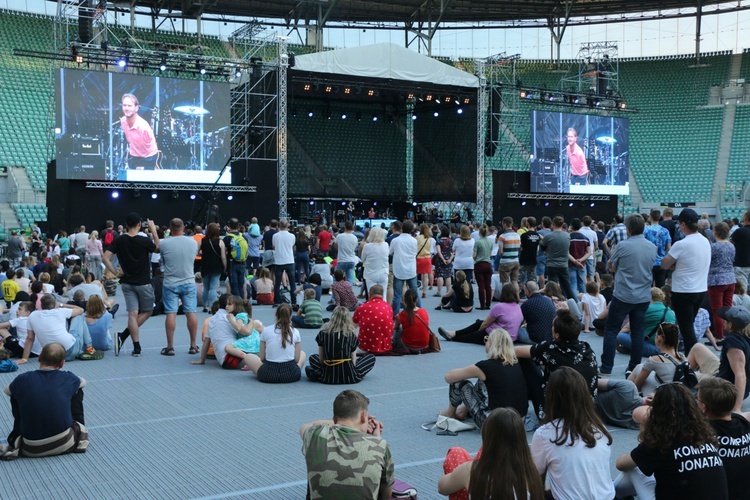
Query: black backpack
{"type": "Point", "coordinates": [683, 373]}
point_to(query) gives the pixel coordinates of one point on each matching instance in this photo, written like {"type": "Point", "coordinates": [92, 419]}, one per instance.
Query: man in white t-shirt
{"type": "Point", "coordinates": [690, 258]}
{"type": "Point", "coordinates": [283, 259]}
{"type": "Point", "coordinates": [404, 252]}
{"type": "Point", "coordinates": [16, 344]}
{"type": "Point", "coordinates": [346, 243]}
{"type": "Point", "coordinates": [49, 325]}
{"type": "Point", "coordinates": [178, 252]}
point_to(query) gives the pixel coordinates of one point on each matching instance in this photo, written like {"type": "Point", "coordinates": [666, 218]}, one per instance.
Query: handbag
{"type": "Point", "coordinates": [448, 426]}
{"type": "Point", "coordinates": [434, 344]}
{"type": "Point", "coordinates": [683, 373]}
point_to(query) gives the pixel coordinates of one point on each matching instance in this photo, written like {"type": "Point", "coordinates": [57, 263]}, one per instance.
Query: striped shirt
{"type": "Point", "coordinates": [511, 247]}
{"type": "Point", "coordinates": [312, 311]}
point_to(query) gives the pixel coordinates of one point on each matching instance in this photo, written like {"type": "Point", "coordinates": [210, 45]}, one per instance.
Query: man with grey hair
{"type": "Point", "coordinates": [538, 312]}
{"type": "Point", "coordinates": [704, 226]}
{"type": "Point", "coordinates": [631, 263]}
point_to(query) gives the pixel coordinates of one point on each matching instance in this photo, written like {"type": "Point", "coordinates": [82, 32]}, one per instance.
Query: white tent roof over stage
{"type": "Point", "coordinates": [385, 60]}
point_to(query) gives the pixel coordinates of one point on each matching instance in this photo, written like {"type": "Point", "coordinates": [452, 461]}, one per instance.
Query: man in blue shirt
{"type": "Point", "coordinates": [659, 236]}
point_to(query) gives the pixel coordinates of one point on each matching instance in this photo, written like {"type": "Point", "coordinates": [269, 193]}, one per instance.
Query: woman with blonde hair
{"type": "Point", "coordinates": [459, 298]}
{"type": "Point", "coordinates": [500, 382]}
{"type": "Point", "coordinates": [94, 255]}
{"type": "Point", "coordinates": [463, 249]}
{"type": "Point", "coordinates": [99, 322]}
{"type": "Point", "coordinates": [337, 361]}
{"type": "Point", "coordinates": [424, 258]}
{"type": "Point", "coordinates": [374, 257]}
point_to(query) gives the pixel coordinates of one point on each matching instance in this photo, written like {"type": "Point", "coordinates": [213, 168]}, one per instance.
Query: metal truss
{"type": "Point", "coordinates": [281, 136]}
{"type": "Point", "coordinates": [596, 70]}
{"type": "Point", "coordinates": [484, 191]}
{"type": "Point", "coordinates": [552, 197]}
{"type": "Point", "coordinates": [170, 187]}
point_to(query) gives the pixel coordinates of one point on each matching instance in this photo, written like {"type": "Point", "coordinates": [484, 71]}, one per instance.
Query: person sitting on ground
{"type": "Point", "coordinates": [617, 401]}
{"type": "Point", "coordinates": [606, 282]}
{"type": "Point", "coordinates": [503, 469]}
{"type": "Point", "coordinates": [312, 283]}
{"type": "Point", "coordinates": [263, 287]}
{"type": "Point", "coordinates": [740, 297]}
{"type": "Point", "coordinates": [220, 336]}
{"type": "Point", "coordinates": [323, 269]}
{"type": "Point", "coordinates": [343, 294]}
{"type": "Point", "coordinates": [733, 364]}
{"type": "Point", "coordinates": [538, 313]}
{"type": "Point", "coordinates": [99, 322]}
{"type": "Point", "coordinates": [281, 357]}
{"type": "Point", "coordinates": [412, 327]}
{"type": "Point", "coordinates": [45, 279]}
{"type": "Point", "coordinates": [49, 325]}
{"type": "Point", "coordinates": [500, 382]}
{"type": "Point", "coordinates": [77, 282]}
{"type": "Point", "coordinates": [593, 305]}
{"type": "Point", "coordinates": [460, 297]}
{"type": "Point", "coordinates": [659, 369]}
{"type": "Point", "coordinates": [572, 439]}
{"type": "Point", "coordinates": [24, 283]}
{"type": "Point", "coordinates": [337, 361]}
{"type": "Point", "coordinates": [10, 287]}
{"type": "Point", "coordinates": [375, 321]}
{"type": "Point", "coordinates": [677, 451]}
{"type": "Point", "coordinates": [37, 292]}
{"type": "Point", "coordinates": [351, 441]}
{"type": "Point", "coordinates": [310, 312]}
{"type": "Point", "coordinates": [248, 330]}
{"type": "Point", "coordinates": [16, 343]}
{"type": "Point", "coordinates": [47, 408]}
{"type": "Point", "coordinates": [716, 398]}
{"type": "Point", "coordinates": [78, 299]}
{"type": "Point", "coordinates": [658, 312]}
{"type": "Point", "coordinates": [702, 328]}
{"type": "Point", "coordinates": [506, 314]}
{"type": "Point", "coordinates": [553, 291]}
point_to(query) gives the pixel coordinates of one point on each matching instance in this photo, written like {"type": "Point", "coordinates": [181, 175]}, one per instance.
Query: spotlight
{"type": "Point", "coordinates": [76, 56]}
{"type": "Point", "coordinates": [347, 90]}
{"type": "Point", "coordinates": [437, 100]}
{"type": "Point", "coordinates": [410, 96]}
{"type": "Point", "coordinates": [592, 204]}
{"type": "Point", "coordinates": [413, 117]}
{"type": "Point", "coordinates": [435, 114]}
{"type": "Point", "coordinates": [428, 98]}
{"type": "Point", "coordinates": [154, 195]}
{"type": "Point", "coordinates": [414, 203]}
{"type": "Point", "coordinates": [343, 116]}
{"type": "Point", "coordinates": [448, 99]}
{"type": "Point", "coordinates": [374, 118]}
{"type": "Point", "coordinates": [371, 92]}
{"type": "Point", "coordinates": [358, 116]}
{"type": "Point", "coordinates": [329, 88]}
{"type": "Point", "coordinates": [163, 63]}
{"type": "Point", "coordinates": [310, 114]}
{"type": "Point", "coordinates": [529, 95]}
{"type": "Point", "coordinates": [623, 105]}
{"type": "Point", "coordinates": [546, 203]}
{"type": "Point", "coordinates": [115, 194]}
{"type": "Point", "coordinates": [570, 204]}
{"type": "Point", "coordinates": [307, 87]}
{"type": "Point", "coordinates": [58, 130]}
{"type": "Point", "coordinates": [523, 203]}
{"type": "Point", "coordinates": [122, 61]}
{"type": "Point", "coordinates": [312, 202]}
{"type": "Point", "coordinates": [523, 94]}
{"type": "Point", "coordinates": [343, 203]}
{"type": "Point", "coordinates": [230, 197]}
{"type": "Point", "coordinates": [460, 111]}
{"type": "Point", "coordinates": [238, 73]}
{"type": "Point", "coordinates": [467, 100]}
{"type": "Point", "coordinates": [294, 113]}
{"type": "Point", "coordinates": [328, 115]}
{"type": "Point", "coordinates": [200, 68]}
{"type": "Point", "coordinates": [192, 196]}
{"type": "Point", "coordinates": [175, 195]}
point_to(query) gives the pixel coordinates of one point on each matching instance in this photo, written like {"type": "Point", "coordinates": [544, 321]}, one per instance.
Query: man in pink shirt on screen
{"type": "Point", "coordinates": [140, 136]}
{"type": "Point", "coordinates": [579, 171]}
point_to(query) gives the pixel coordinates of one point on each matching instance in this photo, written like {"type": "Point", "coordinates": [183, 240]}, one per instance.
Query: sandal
{"type": "Point", "coordinates": [194, 349]}
{"type": "Point", "coordinates": [167, 351]}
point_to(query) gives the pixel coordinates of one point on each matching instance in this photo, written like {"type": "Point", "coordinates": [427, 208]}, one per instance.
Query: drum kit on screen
{"type": "Point", "coordinates": [606, 168]}
{"type": "Point", "coordinates": [178, 135]}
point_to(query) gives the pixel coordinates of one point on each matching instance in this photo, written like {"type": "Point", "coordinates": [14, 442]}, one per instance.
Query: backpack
{"type": "Point", "coordinates": [109, 237]}
{"type": "Point", "coordinates": [683, 373]}
{"type": "Point", "coordinates": [238, 249]}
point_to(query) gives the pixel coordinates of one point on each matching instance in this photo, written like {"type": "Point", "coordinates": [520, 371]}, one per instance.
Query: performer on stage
{"type": "Point", "coordinates": [579, 171]}
{"type": "Point", "coordinates": [144, 152]}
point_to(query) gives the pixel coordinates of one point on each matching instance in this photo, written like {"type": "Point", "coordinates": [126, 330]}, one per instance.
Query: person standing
{"type": "Point", "coordinates": [741, 239]}
{"type": "Point", "coordinates": [404, 251]}
{"type": "Point", "coordinates": [143, 150]}
{"type": "Point", "coordinates": [94, 255]}
{"type": "Point", "coordinates": [178, 253]}
{"type": "Point", "coordinates": [580, 250]}
{"type": "Point", "coordinates": [527, 259]}
{"type": "Point", "coordinates": [347, 243]}
{"type": "Point", "coordinates": [213, 263]}
{"type": "Point", "coordinates": [593, 242]}
{"type": "Point", "coordinates": [283, 257]}
{"type": "Point", "coordinates": [631, 263]}
{"type": "Point", "coordinates": [615, 235]}
{"type": "Point", "coordinates": [691, 259]}
{"type": "Point", "coordinates": [556, 244]}
{"type": "Point", "coordinates": [659, 236]}
{"type": "Point", "coordinates": [721, 276]}
{"type": "Point", "coordinates": [579, 171]}
{"type": "Point", "coordinates": [509, 247]}
{"type": "Point", "coordinates": [483, 268]}
{"type": "Point", "coordinates": [236, 257]}
{"type": "Point", "coordinates": [132, 250]}
{"type": "Point", "coordinates": [79, 243]}
{"type": "Point", "coordinates": [16, 247]}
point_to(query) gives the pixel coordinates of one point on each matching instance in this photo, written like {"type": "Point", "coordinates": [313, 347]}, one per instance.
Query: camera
{"type": "Point", "coordinates": [144, 224]}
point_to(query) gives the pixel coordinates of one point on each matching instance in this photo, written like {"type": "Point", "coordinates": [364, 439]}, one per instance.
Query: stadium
{"type": "Point", "coordinates": [253, 115]}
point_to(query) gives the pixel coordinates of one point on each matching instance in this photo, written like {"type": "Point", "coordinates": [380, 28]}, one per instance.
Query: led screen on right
{"type": "Point", "coordinates": [579, 154]}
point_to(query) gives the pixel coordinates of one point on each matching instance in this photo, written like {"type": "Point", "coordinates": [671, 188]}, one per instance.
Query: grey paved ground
{"type": "Point", "coordinates": [162, 428]}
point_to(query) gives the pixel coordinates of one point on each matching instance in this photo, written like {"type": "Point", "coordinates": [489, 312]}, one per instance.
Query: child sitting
{"type": "Point", "coordinates": [310, 313]}
{"type": "Point", "coordinates": [741, 298]}
{"type": "Point", "coordinates": [248, 331]}
{"type": "Point", "coordinates": [15, 344]}
{"type": "Point", "coordinates": [593, 304]}
{"type": "Point", "coordinates": [605, 287]}
{"type": "Point", "coordinates": [264, 287]}
{"type": "Point", "coordinates": [45, 279]}
{"type": "Point", "coordinates": [343, 294]}
{"type": "Point", "coordinates": [210, 354]}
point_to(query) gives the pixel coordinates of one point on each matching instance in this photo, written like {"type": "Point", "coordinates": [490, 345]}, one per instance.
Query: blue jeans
{"type": "Point", "coordinates": [237, 271]}
{"type": "Point", "coordinates": [80, 332]}
{"type": "Point", "coordinates": [648, 349]}
{"type": "Point", "coordinates": [577, 280]}
{"type": "Point", "coordinates": [210, 285]}
{"type": "Point", "coordinates": [398, 286]}
{"type": "Point", "coordinates": [171, 295]}
{"type": "Point", "coordinates": [579, 179]}
{"type": "Point", "coordinates": [348, 268]}
{"type": "Point", "coordinates": [302, 262]}
{"type": "Point", "coordinates": [618, 310]}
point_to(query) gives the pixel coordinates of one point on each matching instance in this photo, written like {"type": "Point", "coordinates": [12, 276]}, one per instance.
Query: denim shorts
{"type": "Point", "coordinates": [185, 292]}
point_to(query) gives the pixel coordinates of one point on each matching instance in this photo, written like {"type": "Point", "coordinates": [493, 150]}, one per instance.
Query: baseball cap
{"type": "Point", "coordinates": [738, 316]}
{"type": "Point", "coordinates": [688, 216]}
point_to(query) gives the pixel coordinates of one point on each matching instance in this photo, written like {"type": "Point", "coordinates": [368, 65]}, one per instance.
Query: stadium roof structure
{"type": "Point", "coordinates": [385, 13]}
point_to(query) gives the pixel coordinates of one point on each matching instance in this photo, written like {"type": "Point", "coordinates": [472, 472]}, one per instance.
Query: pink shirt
{"type": "Point", "coordinates": [508, 316]}
{"type": "Point", "coordinates": [140, 137]}
{"type": "Point", "coordinates": [93, 247]}
{"type": "Point", "coordinates": [577, 161]}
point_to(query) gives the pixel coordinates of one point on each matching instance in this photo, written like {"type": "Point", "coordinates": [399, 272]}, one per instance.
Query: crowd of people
{"type": "Point", "coordinates": [653, 286]}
